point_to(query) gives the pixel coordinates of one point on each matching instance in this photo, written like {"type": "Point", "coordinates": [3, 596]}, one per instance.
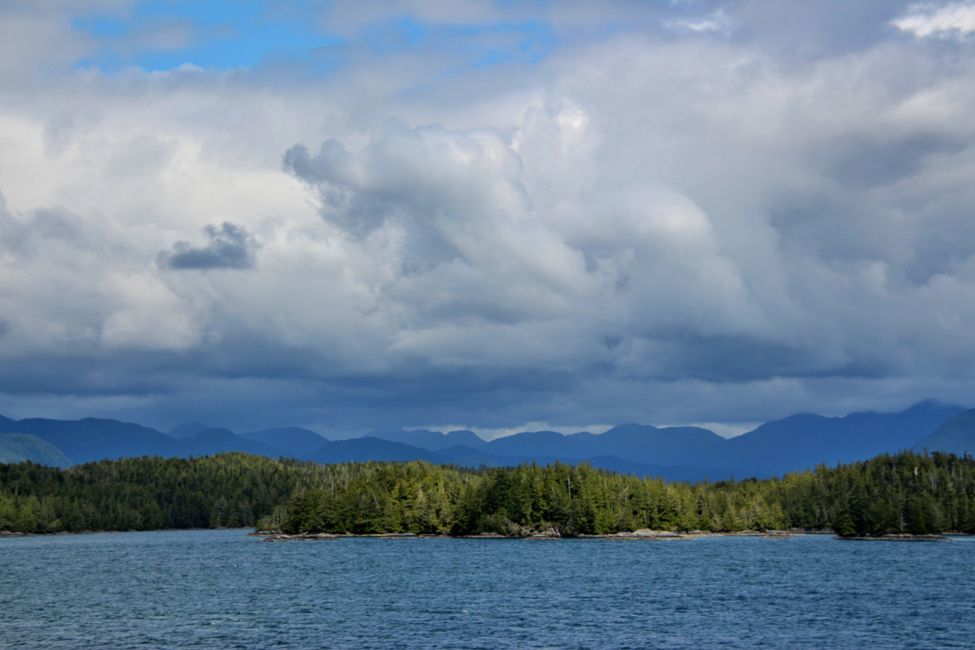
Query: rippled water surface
{"type": "Point", "coordinates": [225, 589]}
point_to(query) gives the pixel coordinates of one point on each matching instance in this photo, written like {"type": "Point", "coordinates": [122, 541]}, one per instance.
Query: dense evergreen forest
{"type": "Point", "coordinates": [149, 493]}
{"type": "Point", "coordinates": [906, 493]}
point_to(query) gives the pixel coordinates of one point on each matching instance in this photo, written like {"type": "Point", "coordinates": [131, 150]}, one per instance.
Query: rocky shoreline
{"type": "Point", "coordinates": [550, 534]}
{"type": "Point", "coordinates": [17, 533]}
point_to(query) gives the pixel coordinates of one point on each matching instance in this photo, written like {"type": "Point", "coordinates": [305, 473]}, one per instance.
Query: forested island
{"type": "Point", "coordinates": [906, 493]}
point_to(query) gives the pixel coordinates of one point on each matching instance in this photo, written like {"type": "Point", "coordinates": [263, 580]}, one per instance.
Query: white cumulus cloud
{"type": "Point", "coordinates": [954, 20]}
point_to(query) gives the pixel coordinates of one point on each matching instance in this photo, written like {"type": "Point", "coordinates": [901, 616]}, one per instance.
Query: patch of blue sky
{"type": "Point", "coordinates": [228, 34]}
{"type": "Point", "coordinates": [218, 34]}
{"type": "Point", "coordinates": [475, 45]}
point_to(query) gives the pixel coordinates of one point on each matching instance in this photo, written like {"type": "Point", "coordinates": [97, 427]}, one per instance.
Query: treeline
{"type": "Point", "coordinates": [148, 493]}
{"type": "Point", "coordinates": [906, 493]}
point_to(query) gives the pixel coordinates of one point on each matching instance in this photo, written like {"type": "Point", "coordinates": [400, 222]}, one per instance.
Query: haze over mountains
{"type": "Point", "coordinates": [794, 443]}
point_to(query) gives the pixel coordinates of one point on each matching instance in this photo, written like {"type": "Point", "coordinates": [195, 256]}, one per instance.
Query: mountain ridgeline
{"type": "Point", "coordinates": [904, 494]}
{"type": "Point", "coordinates": [17, 447]}
{"type": "Point", "coordinates": [795, 443]}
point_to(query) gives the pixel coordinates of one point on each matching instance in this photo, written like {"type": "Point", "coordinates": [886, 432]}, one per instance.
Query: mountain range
{"type": "Point", "coordinates": [794, 443]}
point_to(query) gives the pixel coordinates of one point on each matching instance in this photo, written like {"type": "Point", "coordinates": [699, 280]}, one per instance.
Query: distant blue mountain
{"type": "Point", "coordinates": [534, 444]}
{"type": "Point", "coordinates": [667, 446]}
{"type": "Point", "coordinates": [218, 440]}
{"type": "Point", "coordinates": [188, 429]}
{"type": "Point", "coordinates": [803, 441]}
{"type": "Point", "coordinates": [466, 438]}
{"type": "Point", "coordinates": [642, 444]}
{"type": "Point", "coordinates": [295, 442]}
{"type": "Point", "coordinates": [465, 456]}
{"type": "Point", "coordinates": [95, 439]}
{"type": "Point", "coordinates": [20, 447]}
{"type": "Point", "coordinates": [429, 440]}
{"type": "Point", "coordinates": [956, 436]}
{"type": "Point", "coordinates": [91, 439]}
{"type": "Point", "coordinates": [793, 443]}
{"type": "Point", "coordinates": [361, 449]}
{"type": "Point", "coordinates": [677, 453]}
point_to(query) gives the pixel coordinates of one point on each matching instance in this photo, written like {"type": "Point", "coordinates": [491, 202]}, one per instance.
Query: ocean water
{"type": "Point", "coordinates": [207, 589]}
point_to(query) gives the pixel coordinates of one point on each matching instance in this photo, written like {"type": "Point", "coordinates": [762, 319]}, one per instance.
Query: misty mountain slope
{"type": "Point", "coordinates": [92, 439]}
{"type": "Point", "coordinates": [20, 447]}
{"type": "Point", "coordinates": [956, 436]}
{"type": "Point", "coordinates": [669, 446]}
{"type": "Point", "coordinates": [187, 429]}
{"type": "Point", "coordinates": [465, 438]}
{"type": "Point", "coordinates": [96, 439]}
{"type": "Point", "coordinates": [366, 449]}
{"type": "Point", "coordinates": [219, 440]}
{"type": "Point", "coordinates": [643, 444]}
{"type": "Point", "coordinates": [464, 456]}
{"type": "Point", "coordinates": [538, 444]}
{"type": "Point", "coordinates": [802, 441]}
{"type": "Point", "coordinates": [429, 440]}
{"type": "Point", "coordinates": [294, 442]}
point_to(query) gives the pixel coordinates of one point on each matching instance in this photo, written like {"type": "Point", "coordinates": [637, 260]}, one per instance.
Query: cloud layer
{"type": "Point", "coordinates": [724, 213]}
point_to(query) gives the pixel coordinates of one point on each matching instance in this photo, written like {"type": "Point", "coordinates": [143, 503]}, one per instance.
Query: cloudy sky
{"type": "Point", "coordinates": [346, 215]}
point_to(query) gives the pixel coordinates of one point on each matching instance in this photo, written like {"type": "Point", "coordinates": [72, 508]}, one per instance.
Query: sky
{"type": "Point", "coordinates": [492, 215]}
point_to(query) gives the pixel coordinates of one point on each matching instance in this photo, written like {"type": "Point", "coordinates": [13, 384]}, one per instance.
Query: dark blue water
{"type": "Point", "coordinates": [223, 589]}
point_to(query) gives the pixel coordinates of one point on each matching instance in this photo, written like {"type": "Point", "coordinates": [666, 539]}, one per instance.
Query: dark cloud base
{"type": "Point", "coordinates": [229, 247]}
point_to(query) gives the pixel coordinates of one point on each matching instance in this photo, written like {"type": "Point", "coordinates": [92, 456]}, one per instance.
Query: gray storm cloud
{"type": "Point", "coordinates": [725, 214]}
{"type": "Point", "coordinates": [229, 247]}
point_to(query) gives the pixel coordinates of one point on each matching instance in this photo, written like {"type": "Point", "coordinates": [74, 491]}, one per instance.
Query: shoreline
{"type": "Point", "coordinates": [4, 534]}
{"type": "Point", "coordinates": [639, 535]}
